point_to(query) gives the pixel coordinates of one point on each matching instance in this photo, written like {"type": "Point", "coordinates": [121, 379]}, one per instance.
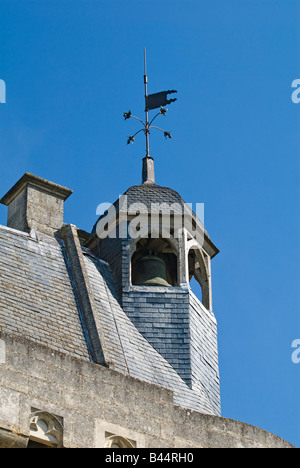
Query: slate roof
{"type": "Point", "coordinates": [38, 301]}
{"type": "Point", "coordinates": [149, 194]}
{"type": "Point", "coordinates": [153, 193]}
{"type": "Point", "coordinates": [36, 295]}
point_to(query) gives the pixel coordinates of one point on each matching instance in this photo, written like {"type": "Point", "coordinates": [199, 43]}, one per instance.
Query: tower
{"type": "Point", "coordinates": [154, 249]}
{"type": "Point", "coordinates": [155, 244]}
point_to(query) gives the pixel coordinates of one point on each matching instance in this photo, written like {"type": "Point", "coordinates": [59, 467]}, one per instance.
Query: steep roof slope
{"type": "Point", "coordinates": [36, 295]}
{"type": "Point", "coordinates": [38, 300]}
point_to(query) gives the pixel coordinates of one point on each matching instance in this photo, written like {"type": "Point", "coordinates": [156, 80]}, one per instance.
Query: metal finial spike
{"type": "Point", "coordinates": [146, 110]}
{"type": "Point", "coordinates": [145, 67]}
{"type": "Point", "coordinates": [152, 101]}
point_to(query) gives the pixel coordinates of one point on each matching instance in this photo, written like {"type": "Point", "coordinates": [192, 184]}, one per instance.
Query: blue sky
{"type": "Point", "coordinates": [72, 67]}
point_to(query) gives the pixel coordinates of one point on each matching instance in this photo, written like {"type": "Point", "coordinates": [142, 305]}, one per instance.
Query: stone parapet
{"type": "Point", "coordinates": [92, 401]}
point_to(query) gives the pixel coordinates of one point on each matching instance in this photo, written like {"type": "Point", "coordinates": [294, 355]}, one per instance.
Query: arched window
{"type": "Point", "coordinates": [46, 431]}
{"type": "Point", "coordinates": [115, 441]}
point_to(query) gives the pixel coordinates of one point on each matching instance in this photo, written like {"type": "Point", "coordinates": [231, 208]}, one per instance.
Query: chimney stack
{"type": "Point", "coordinates": [35, 204]}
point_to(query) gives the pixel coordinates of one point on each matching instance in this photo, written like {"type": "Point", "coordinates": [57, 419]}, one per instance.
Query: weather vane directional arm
{"type": "Point", "coordinates": [152, 101]}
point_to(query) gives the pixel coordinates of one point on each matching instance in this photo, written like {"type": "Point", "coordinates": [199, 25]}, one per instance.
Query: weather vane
{"type": "Point", "coordinates": [152, 101]}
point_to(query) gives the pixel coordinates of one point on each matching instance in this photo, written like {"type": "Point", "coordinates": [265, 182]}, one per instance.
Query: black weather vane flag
{"type": "Point", "coordinates": [152, 101]}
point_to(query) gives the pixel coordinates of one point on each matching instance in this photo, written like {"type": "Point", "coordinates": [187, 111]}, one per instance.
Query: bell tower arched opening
{"type": "Point", "coordinates": [199, 277]}
{"type": "Point", "coordinates": [154, 263]}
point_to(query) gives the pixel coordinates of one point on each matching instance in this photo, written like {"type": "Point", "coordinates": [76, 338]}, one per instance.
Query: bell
{"type": "Point", "coordinates": [150, 271]}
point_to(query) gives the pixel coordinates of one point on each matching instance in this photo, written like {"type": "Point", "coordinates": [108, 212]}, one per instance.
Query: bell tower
{"type": "Point", "coordinates": [155, 245]}
{"type": "Point", "coordinates": [154, 249]}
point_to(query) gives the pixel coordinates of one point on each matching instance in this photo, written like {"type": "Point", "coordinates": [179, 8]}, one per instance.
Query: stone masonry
{"type": "Point", "coordinates": [90, 400]}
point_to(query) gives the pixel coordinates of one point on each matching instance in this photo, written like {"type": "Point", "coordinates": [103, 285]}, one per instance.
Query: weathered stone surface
{"type": "Point", "coordinates": [35, 204]}
{"type": "Point", "coordinates": [91, 399]}
{"type": "Point", "coordinates": [11, 439]}
{"type": "Point", "coordinates": [9, 408]}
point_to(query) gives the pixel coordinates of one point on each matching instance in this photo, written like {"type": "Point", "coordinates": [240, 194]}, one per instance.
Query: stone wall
{"type": "Point", "coordinates": [91, 401]}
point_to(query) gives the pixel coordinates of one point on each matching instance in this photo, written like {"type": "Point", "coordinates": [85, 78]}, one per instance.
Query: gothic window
{"type": "Point", "coordinates": [46, 431]}
{"type": "Point", "coordinates": [115, 441]}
